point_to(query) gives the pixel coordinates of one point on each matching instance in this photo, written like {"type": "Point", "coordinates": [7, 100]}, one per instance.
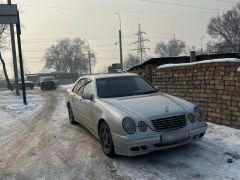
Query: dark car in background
{"type": "Point", "coordinates": [28, 84]}
{"type": "Point", "coordinates": [48, 82]}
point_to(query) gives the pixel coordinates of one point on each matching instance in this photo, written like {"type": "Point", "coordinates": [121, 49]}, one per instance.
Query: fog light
{"type": "Point", "coordinates": [142, 126]}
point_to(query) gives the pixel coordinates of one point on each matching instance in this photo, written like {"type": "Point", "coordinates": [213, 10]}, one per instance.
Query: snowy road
{"type": "Point", "coordinates": [43, 145]}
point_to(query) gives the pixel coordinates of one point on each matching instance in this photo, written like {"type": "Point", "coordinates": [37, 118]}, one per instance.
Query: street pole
{"type": "Point", "coordinates": [89, 61]}
{"type": "Point", "coordinates": [14, 57]}
{"type": "Point", "coordinates": [89, 57]}
{"type": "Point", "coordinates": [120, 42]}
{"type": "Point", "coordinates": [120, 47]}
{"type": "Point", "coordinates": [21, 61]}
{"type": "Point", "coordinates": [201, 45]}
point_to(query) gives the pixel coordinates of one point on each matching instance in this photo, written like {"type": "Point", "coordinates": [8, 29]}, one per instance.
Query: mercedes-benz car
{"type": "Point", "coordinates": [130, 116]}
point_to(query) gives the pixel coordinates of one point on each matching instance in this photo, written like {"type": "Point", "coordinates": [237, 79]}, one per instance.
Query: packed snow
{"type": "Point", "coordinates": [200, 62]}
{"type": "Point", "coordinates": [38, 142]}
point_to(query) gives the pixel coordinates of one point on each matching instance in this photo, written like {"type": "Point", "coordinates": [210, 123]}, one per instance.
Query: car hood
{"type": "Point", "coordinates": [152, 106]}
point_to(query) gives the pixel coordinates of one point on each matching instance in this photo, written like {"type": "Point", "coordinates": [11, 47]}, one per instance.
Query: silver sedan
{"type": "Point", "coordinates": [131, 117]}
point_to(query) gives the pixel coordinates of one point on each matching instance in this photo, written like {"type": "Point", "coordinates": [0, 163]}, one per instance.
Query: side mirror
{"type": "Point", "coordinates": [157, 88]}
{"type": "Point", "coordinates": [87, 97]}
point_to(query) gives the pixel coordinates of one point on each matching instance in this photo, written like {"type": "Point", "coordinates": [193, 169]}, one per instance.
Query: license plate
{"type": "Point", "coordinates": [172, 137]}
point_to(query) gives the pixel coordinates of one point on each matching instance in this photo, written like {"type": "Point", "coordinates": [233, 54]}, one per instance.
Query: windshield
{"type": "Point", "coordinates": [123, 86]}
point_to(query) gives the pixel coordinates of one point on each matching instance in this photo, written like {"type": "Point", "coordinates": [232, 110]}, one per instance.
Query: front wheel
{"type": "Point", "coordinates": [70, 115]}
{"type": "Point", "coordinates": [106, 140]}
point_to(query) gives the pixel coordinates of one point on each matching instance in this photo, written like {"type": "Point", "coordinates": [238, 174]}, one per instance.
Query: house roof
{"type": "Point", "coordinates": [184, 59]}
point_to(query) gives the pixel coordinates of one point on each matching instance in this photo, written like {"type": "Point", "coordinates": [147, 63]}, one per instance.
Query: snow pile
{"type": "Point", "coordinates": [12, 108]}
{"type": "Point", "coordinates": [238, 69]}
{"type": "Point", "coordinates": [21, 108]}
{"type": "Point", "coordinates": [200, 62]}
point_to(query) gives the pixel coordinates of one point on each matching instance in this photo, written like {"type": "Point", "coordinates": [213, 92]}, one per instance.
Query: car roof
{"type": "Point", "coordinates": [48, 77]}
{"type": "Point", "coordinates": [100, 76]}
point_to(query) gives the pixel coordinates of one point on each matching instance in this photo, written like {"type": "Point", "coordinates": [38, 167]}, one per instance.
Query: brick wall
{"type": "Point", "coordinates": [214, 86]}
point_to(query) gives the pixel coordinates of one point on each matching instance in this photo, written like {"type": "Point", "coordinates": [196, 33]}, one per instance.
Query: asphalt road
{"type": "Point", "coordinates": [47, 146]}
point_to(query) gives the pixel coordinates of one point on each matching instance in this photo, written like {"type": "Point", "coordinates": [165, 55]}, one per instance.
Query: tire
{"type": "Point", "coordinates": [70, 115]}
{"type": "Point", "coordinates": [106, 140]}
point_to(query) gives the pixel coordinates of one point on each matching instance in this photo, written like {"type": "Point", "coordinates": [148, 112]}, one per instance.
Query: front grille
{"type": "Point", "coordinates": [167, 123]}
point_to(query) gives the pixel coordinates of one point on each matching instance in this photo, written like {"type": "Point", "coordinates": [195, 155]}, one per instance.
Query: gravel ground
{"type": "Point", "coordinates": [47, 146]}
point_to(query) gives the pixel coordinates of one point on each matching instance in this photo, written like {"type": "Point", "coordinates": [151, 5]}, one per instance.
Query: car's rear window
{"type": "Point", "coordinates": [48, 79]}
{"type": "Point", "coordinates": [123, 86]}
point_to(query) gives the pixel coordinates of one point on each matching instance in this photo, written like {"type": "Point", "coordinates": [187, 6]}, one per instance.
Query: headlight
{"type": "Point", "coordinates": [142, 126]}
{"type": "Point", "coordinates": [129, 125]}
{"type": "Point", "coordinates": [198, 114]}
{"type": "Point", "coordinates": [191, 117]}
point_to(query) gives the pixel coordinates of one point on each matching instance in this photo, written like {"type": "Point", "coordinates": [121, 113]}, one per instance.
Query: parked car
{"type": "Point", "coordinates": [28, 84]}
{"type": "Point", "coordinates": [130, 116]}
{"type": "Point", "coordinates": [48, 82]}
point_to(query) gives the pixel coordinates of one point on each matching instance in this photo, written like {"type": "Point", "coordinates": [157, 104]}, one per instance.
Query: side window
{"type": "Point", "coordinates": [88, 89]}
{"type": "Point", "coordinates": [75, 88]}
{"type": "Point", "coordinates": [79, 87]}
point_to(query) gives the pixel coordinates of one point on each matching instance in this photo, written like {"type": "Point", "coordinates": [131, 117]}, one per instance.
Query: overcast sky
{"type": "Point", "coordinates": [46, 21]}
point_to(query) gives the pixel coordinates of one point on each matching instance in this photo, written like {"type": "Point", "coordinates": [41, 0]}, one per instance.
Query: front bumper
{"type": "Point", "coordinates": [128, 146]}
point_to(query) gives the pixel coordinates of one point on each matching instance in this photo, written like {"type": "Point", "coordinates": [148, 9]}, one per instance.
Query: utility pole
{"type": "Point", "coordinates": [120, 42]}
{"type": "Point", "coordinates": [89, 61]}
{"type": "Point", "coordinates": [141, 49]}
{"type": "Point", "coordinates": [14, 57]}
{"type": "Point", "coordinates": [21, 60]}
{"type": "Point", "coordinates": [89, 57]}
{"type": "Point", "coordinates": [202, 44]}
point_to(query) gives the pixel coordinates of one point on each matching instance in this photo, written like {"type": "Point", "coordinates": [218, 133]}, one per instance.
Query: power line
{"type": "Point", "coordinates": [224, 1]}
{"type": "Point", "coordinates": [182, 5]}
{"type": "Point", "coordinates": [128, 12]}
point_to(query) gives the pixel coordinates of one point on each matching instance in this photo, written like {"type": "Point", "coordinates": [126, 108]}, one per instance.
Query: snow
{"type": "Point", "coordinates": [200, 62]}
{"type": "Point", "coordinates": [65, 87]}
{"type": "Point", "coordinates": [54, 148]}
{"type": "Point", "coordinates": [12, 108]}
{"type": "Point", "coordinates": [238, 69]}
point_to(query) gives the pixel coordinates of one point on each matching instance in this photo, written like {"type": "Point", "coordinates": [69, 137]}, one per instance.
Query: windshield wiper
{"type": "Point", "coordinates": [149, 92]}
{"type": "Point", "coordinates": [144, 92]}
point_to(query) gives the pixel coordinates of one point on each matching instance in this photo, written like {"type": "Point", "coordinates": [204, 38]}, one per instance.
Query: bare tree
{"type": "Point", "coordinates": [225, 30]}
{"type": "Point", "coordinates": [131, 61]}
{"type": "Point", "coordinates": [3, 36]}
{"type": "Point", "coordinates": [174, 47]}
{"type": "Point", "coordinates": [69, 55]}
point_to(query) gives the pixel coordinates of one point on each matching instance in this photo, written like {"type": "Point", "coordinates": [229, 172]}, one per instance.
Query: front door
{"type": "Point", "coordinates": [87, 105]}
